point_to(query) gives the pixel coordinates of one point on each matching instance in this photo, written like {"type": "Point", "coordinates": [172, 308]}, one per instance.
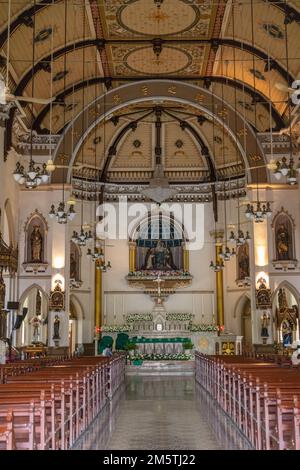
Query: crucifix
{"type": "Point", "coordinates": [159, 281]}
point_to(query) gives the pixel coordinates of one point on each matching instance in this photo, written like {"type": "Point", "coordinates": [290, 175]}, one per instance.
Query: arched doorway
{"type": "Point", "coordinates": [243, 311]}
{"type": "Point", "coordinates": [75, 324]}
{"type": "Point", "coordinates": [34, 327]}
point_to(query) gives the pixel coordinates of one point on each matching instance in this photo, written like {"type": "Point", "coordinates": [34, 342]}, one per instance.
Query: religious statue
{"type": "Point", "coordinates": [282, 242]}
{"type": "Point", "coordinates": [287, 332]}
{"type": "Point", "coordinates": [282, 300]}
{"type": "Point", "coordinates": [159, 258]}
{"type": "Point", "coordinates": [36, 241]}
{"type": "Point", "coordinates": [73, 267]}
{"type": "Point", "coordinates": [243, 262]}
{"type": "Point", "coordinates": [36, 323]}
{"type": "Point", "coordinates": [265, 321]}
{"type": "Point", "coordinates": [56, 325]}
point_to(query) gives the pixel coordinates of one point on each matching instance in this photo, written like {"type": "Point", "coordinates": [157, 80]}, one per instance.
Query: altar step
{"type": "Point", "coordinates": [162, 368]}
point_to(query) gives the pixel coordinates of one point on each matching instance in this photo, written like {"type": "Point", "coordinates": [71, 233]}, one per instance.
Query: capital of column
{"type": "Point", "coordinates": [218, 235]}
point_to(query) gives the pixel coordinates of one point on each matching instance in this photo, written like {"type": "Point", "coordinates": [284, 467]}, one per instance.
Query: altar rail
{"type": "Point", "coordinates": [49, 408]}
{"type": "Point", "coordinates": [261, 397]}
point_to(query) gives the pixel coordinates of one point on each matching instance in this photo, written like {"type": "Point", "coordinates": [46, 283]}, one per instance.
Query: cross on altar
{"type": "Point", "coordinates": [159, 281]}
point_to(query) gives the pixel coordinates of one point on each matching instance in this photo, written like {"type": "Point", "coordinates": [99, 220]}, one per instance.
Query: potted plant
{"type": "Point", "coordinates": [187, 347]}
{"type": "Point", "coordinates": [131, 348]}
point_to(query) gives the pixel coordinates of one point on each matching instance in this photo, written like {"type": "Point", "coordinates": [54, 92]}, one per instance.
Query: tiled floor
{"type": "Point", "coordinates": [161, 413]}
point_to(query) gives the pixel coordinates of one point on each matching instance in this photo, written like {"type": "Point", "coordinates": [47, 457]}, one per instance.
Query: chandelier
{"type": "Point", "coordinates": [259, 211]}
{"type": "Point", "coordinates": [240, 239]}
{"type": "Point", "coordinates": [287, 169]}
{"type": "Point", "coordinates": [32, 177]}
{"type": "Point", "coordinates": [217, 266]}
{"type": "Point", "coordinates": [97, 256]}
{"type": "Point", "coordinates": [60, 214]}
{"type": "Point", "coordinates": [82, 238]}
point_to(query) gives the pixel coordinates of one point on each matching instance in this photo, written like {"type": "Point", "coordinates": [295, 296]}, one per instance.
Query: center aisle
{"type": "Point", "coordinates": [155, 413]}
{"type": "Point", "coordinates": [160, 413]}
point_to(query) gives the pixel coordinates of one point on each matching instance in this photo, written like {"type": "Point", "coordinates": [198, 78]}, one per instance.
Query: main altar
{"type": "Point", "coordinates": [159, 266]}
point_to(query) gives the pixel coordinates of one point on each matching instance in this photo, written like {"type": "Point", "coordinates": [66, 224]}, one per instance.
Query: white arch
{"type": "Point", "coordinates": [240, 303]}
{"type": "Point", "coordinates": [29, 289]}
{"type": "Point", "coordinates": [79, 317]}
{"type": "Point", "coordinates": [286, 285]}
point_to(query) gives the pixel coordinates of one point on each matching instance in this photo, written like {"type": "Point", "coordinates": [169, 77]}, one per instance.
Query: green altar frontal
{"type": "Point", "coordinates": [164, 346]}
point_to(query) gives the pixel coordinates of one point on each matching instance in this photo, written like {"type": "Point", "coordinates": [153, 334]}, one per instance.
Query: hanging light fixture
{"type": "Point", "coordinates": [287, 169]}
{"type": "Point", "coordinates": [259, 211]}
{"type": "Point", "coordinates": [60, 213]}
{"type": "Point", "coordinates": [217, 266]}
{"type": "Point", "coordinates": [32, 176]}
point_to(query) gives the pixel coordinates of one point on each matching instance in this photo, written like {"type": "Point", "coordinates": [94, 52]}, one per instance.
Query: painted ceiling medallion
{"type": "Point", "coordinates": [273, 30]}
{"type": "Point", "coordinates": [43, 35]}
{"type": "Point", "coordinates": [257, 74]}
{"type": "Point", "coordinates": [144, 17]}
{"type": "Point", "coordinates": [60, 75]}
{"type": "Point", "coordinates": [171, 60]}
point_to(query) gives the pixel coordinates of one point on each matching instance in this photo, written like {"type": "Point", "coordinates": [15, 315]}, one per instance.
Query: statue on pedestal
{"type": "Point", "coordinates": [36, 323]}
{"type": "Point", "coordinates": [36, 241]}
{"type": "Point", "coordinates": [56, 325]}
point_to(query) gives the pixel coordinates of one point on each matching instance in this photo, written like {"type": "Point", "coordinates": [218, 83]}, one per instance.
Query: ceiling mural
{"type": "Point", "coordinates": [235, 50]}
{"type": "Point", "coordinates": [143, 18]}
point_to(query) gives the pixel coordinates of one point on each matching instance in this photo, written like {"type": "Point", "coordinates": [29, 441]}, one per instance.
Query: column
{"type": "Point", "coordinates": [132, 256]}
{"type": "Point", "coordinates": [98, 303]}
{"type": "Point", "coordinates": [218, 236]}
{"type": "Point", "coordinates": [186, 258]}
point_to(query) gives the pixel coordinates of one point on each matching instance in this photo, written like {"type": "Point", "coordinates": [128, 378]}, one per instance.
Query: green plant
{"type": "Point", "coordinates": [187, 345]}
{"type": "Point", "coordinates": [130, 347]}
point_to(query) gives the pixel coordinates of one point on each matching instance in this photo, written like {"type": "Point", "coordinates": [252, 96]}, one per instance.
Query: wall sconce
{"type": "Point", "coordinates": [58, 262]}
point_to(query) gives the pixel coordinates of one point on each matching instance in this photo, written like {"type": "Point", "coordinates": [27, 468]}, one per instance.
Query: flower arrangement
{"type": "Point", "coordinates": [160, 357]}
{"type": "Point", "coordinates": [116, 328]}
{"type": "Point", "coordinates": [203, 327]}
{"type": "Point", "coordinates": [179, 316]}
{"type": "Point", "coordinates": [133, 317]}
{"type": "Point", "coordinates": [163, 274]}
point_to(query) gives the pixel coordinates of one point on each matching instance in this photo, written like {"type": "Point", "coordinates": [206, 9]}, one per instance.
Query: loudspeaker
{"type": "Point", "coordinates": [13, 305]}
{"type": "Point", "coordinates": [25, 311]}
{"type": "Point", "coordinates": [18, 322]}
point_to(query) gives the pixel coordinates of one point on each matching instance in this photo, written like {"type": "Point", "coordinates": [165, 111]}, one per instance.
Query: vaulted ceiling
{"type": "Point", "coordinates": [76, 50]}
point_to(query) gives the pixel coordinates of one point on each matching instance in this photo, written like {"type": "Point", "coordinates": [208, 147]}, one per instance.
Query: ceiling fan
{"type": "Point", "coordinates": [51, 166]}
{"type": "Point", "coordinates": [6, 97]}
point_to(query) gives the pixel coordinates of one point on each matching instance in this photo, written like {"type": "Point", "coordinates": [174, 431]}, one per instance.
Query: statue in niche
{"type": "Point", "coordinates": [282, 300]}
{"type": "Point", "coordinates": [38, 303]}
{"type": "Point", "coordinates": [287, 332]}
{"type": "Point", "coordinates": [36, 241]}
{"type": "Point", "coordinates": [159, 258]}
{"type": "Point", "coordinates": [2, 292]}
{"type": "Point", "coordinates": [73, 267]}
{"type": "Point", "coordinates": [283, 242]}
{"type": "Point", "coordinates": [56, 325]}
{"type": "Point", "coordinates": [243, 262]}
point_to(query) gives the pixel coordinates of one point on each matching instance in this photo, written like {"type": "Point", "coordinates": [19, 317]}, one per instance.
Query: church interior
{"type": "Point", "coordinates": [149, 224]}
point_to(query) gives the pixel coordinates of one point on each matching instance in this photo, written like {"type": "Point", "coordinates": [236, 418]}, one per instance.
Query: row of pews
{"type": "Point", "coordinates": [46, 404]}
{"type": "Point", "coordinates": [260, 396]}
